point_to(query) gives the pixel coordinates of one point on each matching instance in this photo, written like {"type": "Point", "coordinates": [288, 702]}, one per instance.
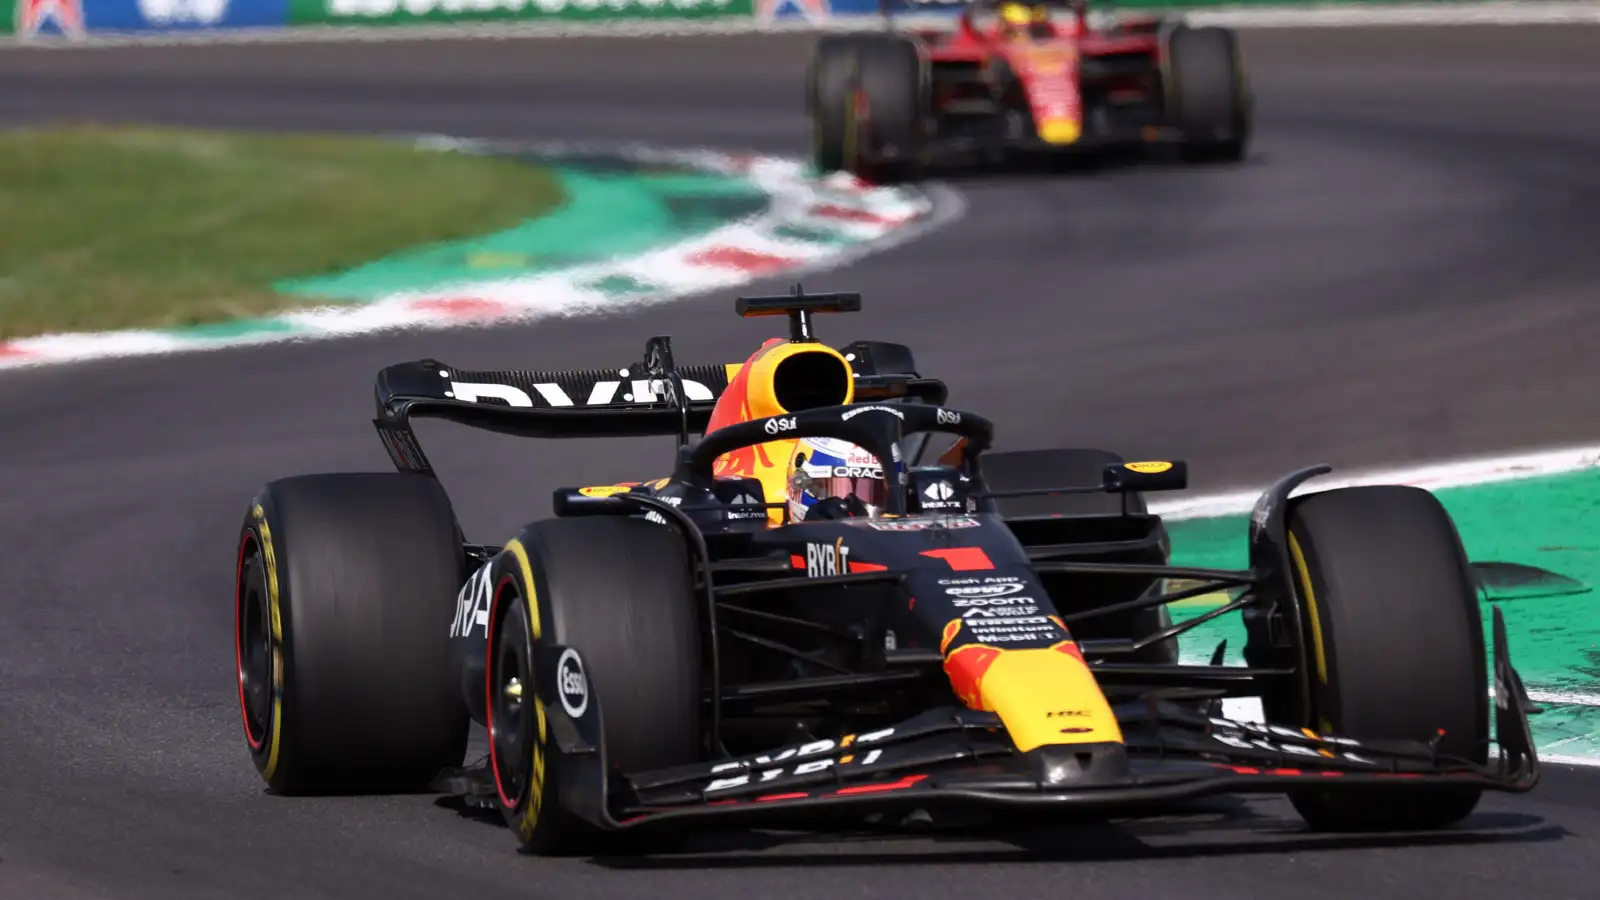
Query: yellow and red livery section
{"type": "Point", "coordinates": [753, 393]}
{"type": "Point", "coordinates": [1051, 73]}
{"type": "Point", "coordinates": [755, 390]}
{"type": "Point", "coordinates": [1043, 695]}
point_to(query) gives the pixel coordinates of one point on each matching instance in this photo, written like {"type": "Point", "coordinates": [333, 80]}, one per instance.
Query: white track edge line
{"type": "Point", "coordinates": [1431, 475]}
{"type": "Point", "coordinates": [1564, 760]}
{"type": "Point", "coordinates": [1565, 698]}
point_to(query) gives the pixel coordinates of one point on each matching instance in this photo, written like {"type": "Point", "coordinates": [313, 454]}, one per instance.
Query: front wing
{"type": "Point", "coordinates": [962, 758]}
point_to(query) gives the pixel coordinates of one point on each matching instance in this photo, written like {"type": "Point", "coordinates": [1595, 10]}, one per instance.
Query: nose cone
{"type": "Point", "coordinates": [1060, 131]}
{"type": "Point", "coordinates": [1078, 765]}
{"type": "Point", "coordinates": [1045, 696]}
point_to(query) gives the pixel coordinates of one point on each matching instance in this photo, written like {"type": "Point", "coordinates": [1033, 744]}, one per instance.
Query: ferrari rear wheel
{"type": "Point", "coordinates": [1207, 93]}
{"type": "Point", "coordinates": [829, 100]}
{"type": "Point", "coordinates": [889, 85]}
{"type": "Point", "coordinates": [1395, 642]}
{"type": "Point", "coordinates": [868, 106]}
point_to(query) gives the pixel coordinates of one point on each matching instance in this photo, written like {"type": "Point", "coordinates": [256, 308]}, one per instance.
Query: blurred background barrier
{"type": "Point", "coordinates": [439, 12]}
{"type": "Point", "coordinates": [58, 20]}
{"type": "Point", "coordinates": [76, 18]}
{"type": "Point", "coordinates": [47, 19]}
{"type": "Point", "coordinates": [822, 12]}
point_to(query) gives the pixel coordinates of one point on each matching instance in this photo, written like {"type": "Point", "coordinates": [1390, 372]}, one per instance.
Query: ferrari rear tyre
{"type": "Point", "coordinates": [345, 585]}
{"type": "Point", "coordinates": [1208, 98]}
{"type": "Point", "coordinates": [620, 592]}
{"type": "Point", "coordinates": [1395, 643]}
{"type": "Point", "coordinates": [889, 73]}
{"type": "Point", "coordinates": [829, 100]}
{"type": "Point", "coordinates": [1020, 470]}
{"type": "Point", "coordinates": [868, 106]}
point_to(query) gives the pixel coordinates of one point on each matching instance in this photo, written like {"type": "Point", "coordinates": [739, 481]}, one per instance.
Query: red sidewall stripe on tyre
{"type": "Point", "coordinates": [238, 645]}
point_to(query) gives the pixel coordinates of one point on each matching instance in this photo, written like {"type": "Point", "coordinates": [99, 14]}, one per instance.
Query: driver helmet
{"type": "Point", "coordinates": [1022, 15]}
{"type": "Point", "coordinates": [839, 476]}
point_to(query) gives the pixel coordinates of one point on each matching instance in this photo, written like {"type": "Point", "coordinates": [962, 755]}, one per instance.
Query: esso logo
{"type": "Point", "coordinates": [572, 685]}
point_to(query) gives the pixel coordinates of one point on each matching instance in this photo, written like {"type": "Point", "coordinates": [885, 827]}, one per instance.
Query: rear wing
{"type": "Point", "coordinates": [537, 404]}
{"type": "Point", "coordinates": [928, 9]}
{"type": "Point", "coordinates": [651, 398]}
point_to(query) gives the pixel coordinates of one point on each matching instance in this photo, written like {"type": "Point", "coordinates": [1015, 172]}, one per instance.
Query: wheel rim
{"type": "Point", "coordinates": [510, 706]}
{"type": "Point", "coordinates": [253, 646]}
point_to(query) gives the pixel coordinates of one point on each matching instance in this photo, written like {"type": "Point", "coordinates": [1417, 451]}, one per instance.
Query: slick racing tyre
{"type": "Point", "coordinates": [345, 584]}
{"type": "Point", "coordinates": [868, 106]}
{"type": "Point", "coordinates": [619, 591]}
{"type": "Point", "coordinates": [1208, 99]}
{"type": "Point", "coordinates": [829, 100]}
{"type": "Point", "coordinates": [1020, 470]}
{"type": "Point", "coordinates": [1394, 642]}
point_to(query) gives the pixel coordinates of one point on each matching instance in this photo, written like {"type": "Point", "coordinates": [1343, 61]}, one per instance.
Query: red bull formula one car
{"type": "Point", "coordinates": [823, 613]}
{"type": "Point", "coordinates": [1025, 76]}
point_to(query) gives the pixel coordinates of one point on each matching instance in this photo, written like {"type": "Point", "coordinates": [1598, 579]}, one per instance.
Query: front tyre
{"type": "Point", "coordinates": [1395, 643]}
{"type": "Point", "coordinates": [620, 592]}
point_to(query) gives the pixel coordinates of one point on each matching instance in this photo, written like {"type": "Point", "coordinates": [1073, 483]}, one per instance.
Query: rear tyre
{"type": "Point", "coordinates": [345, 585]}
{"type": "Point", "coordinates": [1016, 470]}
{"type": "Point", "coordinates": [1395, 644]}
{"type": "Point", "coordinates": [1207, 97]}
{"type": "Point", "coordinates": [620, 592]}
{"type": "Point", "coordinates": [868, 106]}
{"type": "Point", "coordinates": [828, 100]}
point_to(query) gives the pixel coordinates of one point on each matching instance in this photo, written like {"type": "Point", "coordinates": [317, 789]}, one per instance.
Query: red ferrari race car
{"type": "Point", "coordinates": [1024, 76]}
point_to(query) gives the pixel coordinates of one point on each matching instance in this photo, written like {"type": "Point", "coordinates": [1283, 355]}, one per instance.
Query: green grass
{"type": "Point", "coordinates": [106, 228]}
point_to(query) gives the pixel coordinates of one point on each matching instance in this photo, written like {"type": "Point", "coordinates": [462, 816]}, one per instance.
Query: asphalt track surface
{"type": "Point", "coordinates": [1405, 269]}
